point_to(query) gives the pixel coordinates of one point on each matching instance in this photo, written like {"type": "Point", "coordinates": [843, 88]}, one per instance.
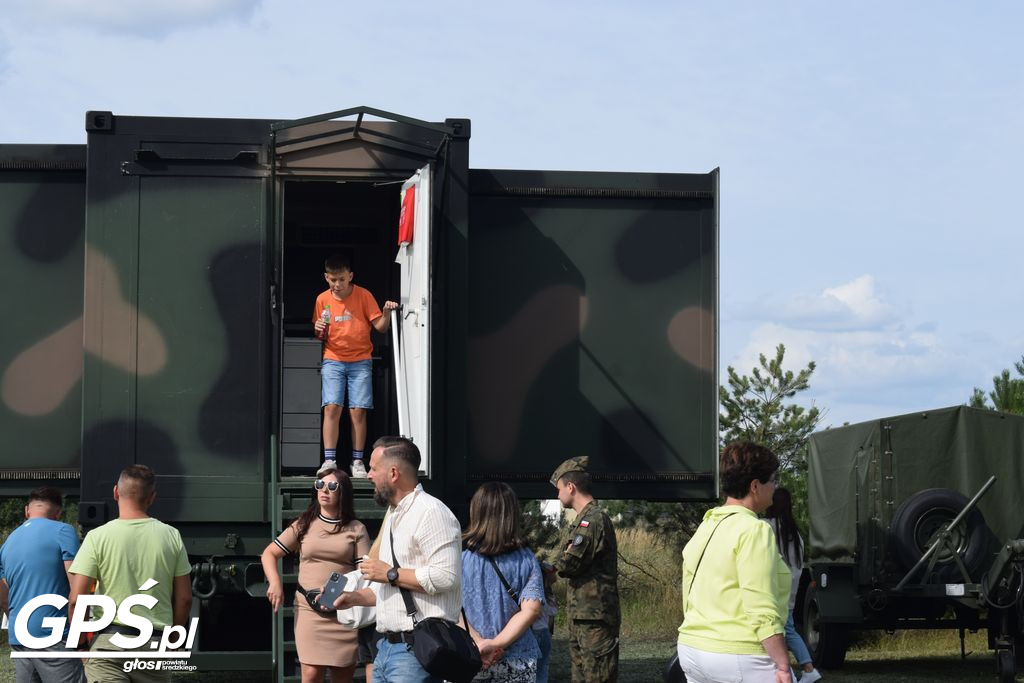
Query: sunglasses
{"type": "Point", "coordinates": [319, 485]}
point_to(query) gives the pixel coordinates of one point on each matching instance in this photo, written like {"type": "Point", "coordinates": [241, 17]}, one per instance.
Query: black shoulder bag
{"type": "Point", "coordinates": [504, 582]}
{"type": "Point", "coordinates": [440, 646]}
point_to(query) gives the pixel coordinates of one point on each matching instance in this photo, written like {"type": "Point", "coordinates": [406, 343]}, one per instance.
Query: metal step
{"type": "Point", "coordinates": [292, 499]}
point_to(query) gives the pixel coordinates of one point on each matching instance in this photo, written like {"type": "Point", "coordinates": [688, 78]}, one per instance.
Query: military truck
{"type": "Point", "coordinates": [158, 292]}
{"type": "Point", "coordinates": [914, 524]}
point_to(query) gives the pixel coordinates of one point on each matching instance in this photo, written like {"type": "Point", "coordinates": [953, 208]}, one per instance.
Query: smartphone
{"type": "Point", "coordinates": [332, 591]}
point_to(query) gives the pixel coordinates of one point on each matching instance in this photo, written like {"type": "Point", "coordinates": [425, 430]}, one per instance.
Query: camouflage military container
{"type": "Point", "coordinates": [165, 276]}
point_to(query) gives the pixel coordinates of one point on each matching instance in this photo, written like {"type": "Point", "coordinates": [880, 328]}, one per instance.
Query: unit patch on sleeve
{"type": "Point", "coordinates": [578, 540]}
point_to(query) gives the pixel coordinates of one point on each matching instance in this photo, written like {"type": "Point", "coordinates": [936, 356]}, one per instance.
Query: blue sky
{"type": "Point", "coordinates": [870, 152]}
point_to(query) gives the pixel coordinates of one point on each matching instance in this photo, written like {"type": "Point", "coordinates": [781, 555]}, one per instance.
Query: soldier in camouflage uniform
{"type": "Point", "coordinates": [589, 561]}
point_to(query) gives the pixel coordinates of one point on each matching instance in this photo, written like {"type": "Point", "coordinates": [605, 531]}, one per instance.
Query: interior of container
{"type": "Point", "coordinates": [360, 220]}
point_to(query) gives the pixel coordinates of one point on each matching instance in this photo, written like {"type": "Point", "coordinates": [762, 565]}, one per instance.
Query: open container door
{"type": "Point", "coordinates": [594, 300]}
{"type": "Point", "coordinates": [383, 152]}
{"type": "Point", "coordinates": [412, 352]}
{"type": "Point", "coordinates": [42, 223]}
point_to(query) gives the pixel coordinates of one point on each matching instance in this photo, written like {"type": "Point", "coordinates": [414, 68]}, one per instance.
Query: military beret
{"type": "Point", "coordinates": [577, 464]}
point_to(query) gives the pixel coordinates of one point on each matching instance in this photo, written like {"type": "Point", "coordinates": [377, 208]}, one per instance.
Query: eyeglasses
{"type": "Point", "coordinates": [319, 485]}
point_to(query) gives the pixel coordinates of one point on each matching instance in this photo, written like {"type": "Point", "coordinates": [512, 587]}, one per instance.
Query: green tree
{"type": "Point", "coordinates": [756, 407]}
{"type": "Point", "coordinates": [541, 532]}
{"type": "Point", "coordinates": [1007, 393]}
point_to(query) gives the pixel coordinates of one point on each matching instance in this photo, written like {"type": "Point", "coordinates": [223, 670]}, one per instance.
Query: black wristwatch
{"type": "Point", "coordinates": [392, 576]}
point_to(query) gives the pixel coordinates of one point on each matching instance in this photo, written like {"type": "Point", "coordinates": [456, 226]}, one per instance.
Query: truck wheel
{"type": "Point", "coordinates": [827, 642]}
{"type": "Point", "coordinates": [922, 516]}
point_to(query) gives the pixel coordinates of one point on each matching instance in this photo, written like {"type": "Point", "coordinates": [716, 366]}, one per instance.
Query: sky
{"type": "Point", "coordinates": [870, 152]}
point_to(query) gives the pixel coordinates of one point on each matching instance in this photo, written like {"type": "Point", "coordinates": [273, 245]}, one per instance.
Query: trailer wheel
{"type": "Point", "coordinates": [922, 516]}
{"type": "Point", "coordinates": [827, 642]}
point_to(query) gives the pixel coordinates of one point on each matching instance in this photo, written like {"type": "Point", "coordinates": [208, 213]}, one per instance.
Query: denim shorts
{"type": "Point", "coordinates": [354, 378]}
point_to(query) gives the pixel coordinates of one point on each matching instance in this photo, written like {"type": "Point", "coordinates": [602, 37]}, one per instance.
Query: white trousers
{"type": "Point", "coordinates": [701, 666]}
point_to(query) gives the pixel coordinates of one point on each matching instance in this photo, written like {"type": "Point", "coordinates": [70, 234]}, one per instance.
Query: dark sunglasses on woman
{"type": "Point", "coordinates": [319, 485]}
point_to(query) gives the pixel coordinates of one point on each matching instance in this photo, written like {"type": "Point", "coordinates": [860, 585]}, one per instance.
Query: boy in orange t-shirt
{"type": "Point", "coordinates": [342, 317]}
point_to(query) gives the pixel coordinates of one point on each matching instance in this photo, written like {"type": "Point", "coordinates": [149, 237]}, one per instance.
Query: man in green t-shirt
{"type": "Point", "coordinates": [133, 554]}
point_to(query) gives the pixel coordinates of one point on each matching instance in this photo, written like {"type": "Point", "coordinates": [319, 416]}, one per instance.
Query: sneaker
{"type": "Point", "coordinates": [327, 467]}
{"type": "Point", "coordinates": [810, 676]}
{"type": "Point", "coordinates": [359, 472]}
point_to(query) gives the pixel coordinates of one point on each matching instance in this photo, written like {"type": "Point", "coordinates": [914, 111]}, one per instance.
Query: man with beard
{"type": "Point", "coordinates": [426, 539]}
{"type": "Point", "coordinates": [589, 560]}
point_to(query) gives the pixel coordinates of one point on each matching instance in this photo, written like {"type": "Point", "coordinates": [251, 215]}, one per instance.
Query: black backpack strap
{"type": "Point", "coordinates": [410, 606]}
{"type": "Point", "coordinates": [508, 588]}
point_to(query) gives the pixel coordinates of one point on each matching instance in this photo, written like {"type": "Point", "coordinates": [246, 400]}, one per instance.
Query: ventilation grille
{"type": "Point", "coordinates": [40, 165]}
{"type": "Point", "coordinates": [593, 192]}
{"type": "Point", "coordinates": [598, 477]}
{"type": "Point", "coordinates": [48, 474]}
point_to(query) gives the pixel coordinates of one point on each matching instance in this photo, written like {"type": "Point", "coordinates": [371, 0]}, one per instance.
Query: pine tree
{"type": "Point", "coordinates": [755, 408]}
{"type": "Point", "coordinates": [1007, 393]}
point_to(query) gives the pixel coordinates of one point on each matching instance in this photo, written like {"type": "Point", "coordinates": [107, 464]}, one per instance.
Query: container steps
{"type": "Point", "coordinates": [291, 497]}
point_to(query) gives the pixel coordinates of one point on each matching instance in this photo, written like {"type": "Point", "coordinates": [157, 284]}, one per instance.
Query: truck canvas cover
{"type": "Point", "coordinates": [859, 475]}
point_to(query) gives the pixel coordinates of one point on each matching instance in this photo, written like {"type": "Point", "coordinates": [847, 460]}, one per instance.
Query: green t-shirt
{"type": "Point", "coordinates": [125, 553]}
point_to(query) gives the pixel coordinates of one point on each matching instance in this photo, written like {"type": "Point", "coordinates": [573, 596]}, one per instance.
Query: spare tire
{"type": "Point", "coordinates": [920, 518]}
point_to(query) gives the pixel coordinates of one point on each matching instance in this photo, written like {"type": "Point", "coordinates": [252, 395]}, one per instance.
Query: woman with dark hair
{"type": "Point", "coordinates": [735, 584]}
{"type": "Point", "coordinates": [327, 538]}
{"type": "Point", "coordinates": [791, 548]}
{"type": "Point", "coordinates": [502, 586]}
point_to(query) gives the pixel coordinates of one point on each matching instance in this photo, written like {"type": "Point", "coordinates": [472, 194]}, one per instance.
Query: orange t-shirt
{"type": "Point", "coordinates": [348, 333]}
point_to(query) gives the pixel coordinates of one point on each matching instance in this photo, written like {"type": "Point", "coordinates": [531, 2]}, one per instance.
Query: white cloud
{"type": "Point", "coordinates": [149, 18]}
{"type": "Point", "coordinates": [871, 358]}
{"type": "Point", "coordinates": [854, 305]}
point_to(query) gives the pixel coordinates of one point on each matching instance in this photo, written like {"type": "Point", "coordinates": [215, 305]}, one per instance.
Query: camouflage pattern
{"type": "Point", "coordinates": [571, 465]}
{"type": "Point", "coordinates": [593, 651]}
{"type": "Point", "coordinates": [145, 310]}
{"type": "Point", "coordinates": [594, 300]}
{"type": "Point", "coordinates": [42, 256]}
{"type": "Point", "coordinates": [590, 561]}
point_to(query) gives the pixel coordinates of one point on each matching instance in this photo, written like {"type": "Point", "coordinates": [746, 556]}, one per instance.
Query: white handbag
{"type": "Point", "coordinates": [357, 617]}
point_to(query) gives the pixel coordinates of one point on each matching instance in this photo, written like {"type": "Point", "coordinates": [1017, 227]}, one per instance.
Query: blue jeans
{"type": "Point", "coordinates": [395, 663]}
{"type": "Point", "coordinates": [544, 661]}
{"type": "Point", "coordinates": [795, 643]}
{"type": "Point", "coordinates": [338, 378]}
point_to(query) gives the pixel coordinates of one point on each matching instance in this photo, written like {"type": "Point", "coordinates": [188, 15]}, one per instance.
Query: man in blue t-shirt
{"type": "Point", "coordinates": [34, 560]}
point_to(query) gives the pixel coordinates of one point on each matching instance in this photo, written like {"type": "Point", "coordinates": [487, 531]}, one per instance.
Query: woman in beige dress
{"type": "Point", "coordinates": [327, 538]}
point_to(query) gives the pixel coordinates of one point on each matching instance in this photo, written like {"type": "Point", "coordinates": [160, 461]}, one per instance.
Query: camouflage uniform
{"type": "Point", "coordinates": [590, 562]}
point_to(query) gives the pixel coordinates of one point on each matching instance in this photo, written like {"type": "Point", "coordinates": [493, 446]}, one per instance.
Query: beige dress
{"type": "Point", "coordinates": [320, 640]}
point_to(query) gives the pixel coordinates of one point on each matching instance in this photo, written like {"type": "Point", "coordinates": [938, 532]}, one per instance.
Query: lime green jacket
{"type": "Point", "coordinates": [740, 595]}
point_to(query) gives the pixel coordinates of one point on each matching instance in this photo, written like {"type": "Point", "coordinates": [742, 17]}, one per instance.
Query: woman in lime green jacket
{"type": "Point", "coordinates": [735, 584]}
